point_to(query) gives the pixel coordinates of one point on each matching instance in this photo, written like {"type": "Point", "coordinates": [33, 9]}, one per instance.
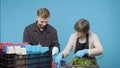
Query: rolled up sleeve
{"type": "Point", "coordinates": [98, 49]}
{"type": "Point", "coordinates": [55, 41]}
{"type": "Point", "coordinates": [68, 47]}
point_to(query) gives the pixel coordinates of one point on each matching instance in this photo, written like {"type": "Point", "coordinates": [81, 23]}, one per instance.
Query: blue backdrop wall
{"type": "Point", "coordinates": [104, 17]}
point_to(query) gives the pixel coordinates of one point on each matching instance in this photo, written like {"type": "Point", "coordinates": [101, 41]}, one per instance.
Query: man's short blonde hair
{"type": "Point", "coordinates": [43, 13]}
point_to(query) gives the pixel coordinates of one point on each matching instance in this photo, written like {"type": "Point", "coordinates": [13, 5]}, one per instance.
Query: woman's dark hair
{"type": "Point", "coordinates": [82, 25]}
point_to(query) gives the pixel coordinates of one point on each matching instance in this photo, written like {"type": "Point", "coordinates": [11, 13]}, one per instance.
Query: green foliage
{"type": "Point", "coordinates": [83, 61]}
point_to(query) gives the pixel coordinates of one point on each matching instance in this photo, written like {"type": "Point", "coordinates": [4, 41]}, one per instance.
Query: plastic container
{"type": "Point", "coordinates": [28, 49]}
{"type": "Point", "coordinates": [10, 50]}
{"type": "Point", "coordinates": [7, 61]}
{"type": "Point", "coordinates": [63, 62]}
{"type": "Point", "coordinates": [13, 61]}
{"type": "Point", "coordinates": [42, 49]}
{"type": "Point", "coordinates": [23, 60]}
{"type": "Point", "coordinates": [20, 61]}
{"type": "Point", "coordinates": [40, 60]}
{"type": "Point", "coordinates": [4, 49]}
{"type": "Point", "coordinates": [23, 50]}
{"type": "Point", "coordinates": [25, 43]}
{"type": "Point", "coordinates": [18, 49]}
{"type": "Point", "coordinates": [34, 49]}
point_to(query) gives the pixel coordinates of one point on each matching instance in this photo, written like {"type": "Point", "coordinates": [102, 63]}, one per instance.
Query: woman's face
{"type": "Point", "coordinates": [81, 34]}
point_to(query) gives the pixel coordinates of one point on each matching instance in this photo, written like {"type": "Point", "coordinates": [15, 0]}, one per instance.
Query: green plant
{"type": "Point", "coordinates": [83, 61]}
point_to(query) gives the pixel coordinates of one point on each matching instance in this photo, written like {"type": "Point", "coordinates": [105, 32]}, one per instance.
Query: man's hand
{"type": "Point", "coordinates": [55, 51]}
{"type": "Point", "coordinates": [58, 58]}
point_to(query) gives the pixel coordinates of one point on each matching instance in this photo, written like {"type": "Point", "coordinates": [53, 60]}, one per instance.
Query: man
{"type": "Point", "coordinates": [42, 33]}
{"type": "Point", "coordinates": [83, 42]}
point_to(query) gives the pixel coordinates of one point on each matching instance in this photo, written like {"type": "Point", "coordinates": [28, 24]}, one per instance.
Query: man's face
{"type": "Point", "coordinates": [42, 22]}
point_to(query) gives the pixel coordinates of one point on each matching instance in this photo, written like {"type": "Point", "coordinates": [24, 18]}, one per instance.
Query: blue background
{"type": "Point", "coordinates": [104, 17]}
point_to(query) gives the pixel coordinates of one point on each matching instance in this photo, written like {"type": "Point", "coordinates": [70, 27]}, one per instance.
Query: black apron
{"type": "Point", "coordinates": [81, 46]}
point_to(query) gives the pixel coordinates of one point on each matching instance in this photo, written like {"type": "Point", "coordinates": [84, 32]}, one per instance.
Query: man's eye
{"type": "Point", "coordinates": [44, 21]}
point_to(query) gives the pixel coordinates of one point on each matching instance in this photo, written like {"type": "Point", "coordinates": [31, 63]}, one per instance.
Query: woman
{"type": "Point", "coordinates": [83, 42]}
